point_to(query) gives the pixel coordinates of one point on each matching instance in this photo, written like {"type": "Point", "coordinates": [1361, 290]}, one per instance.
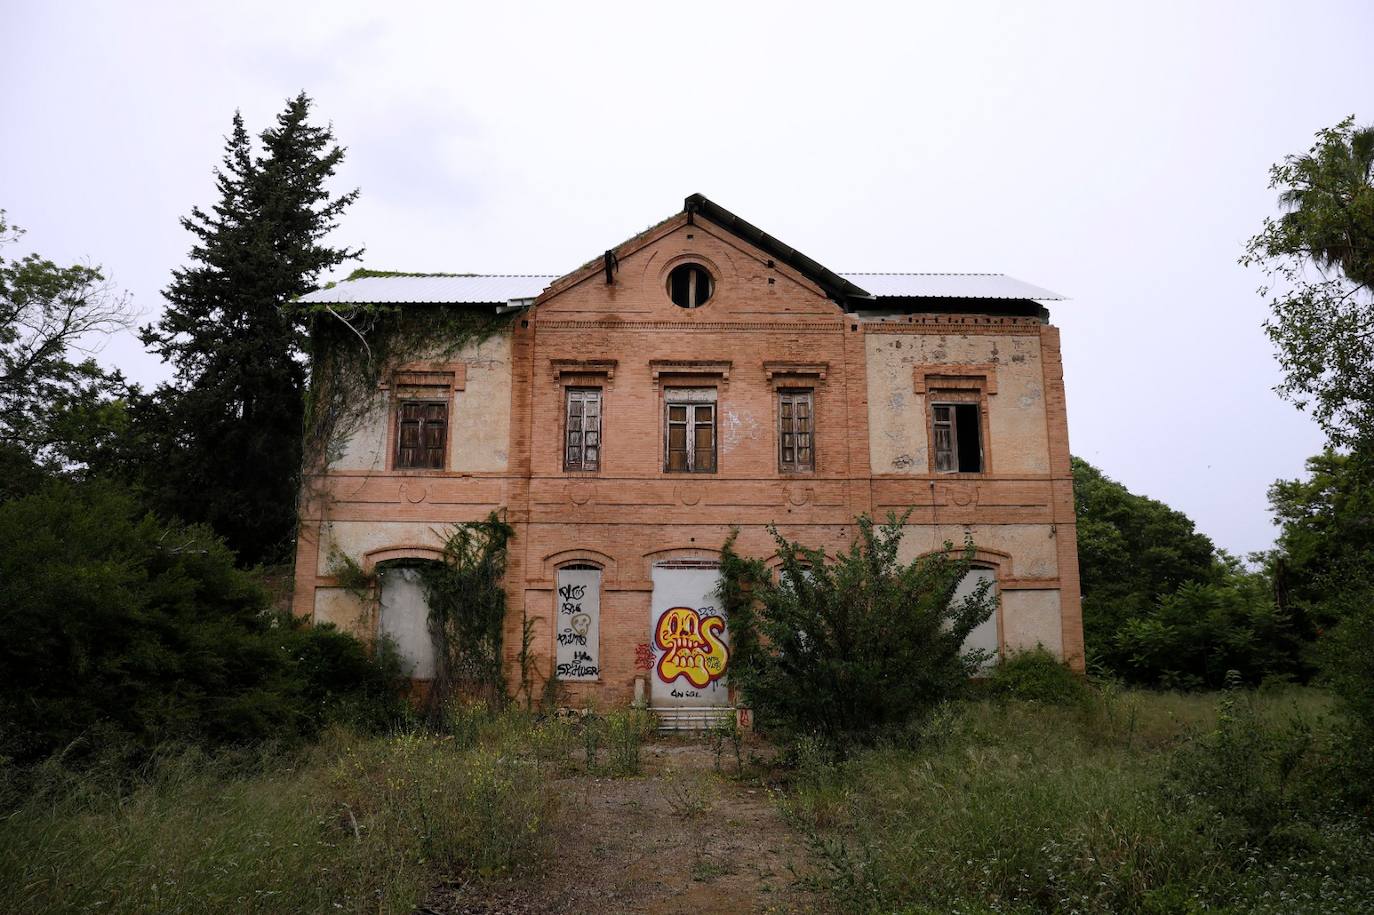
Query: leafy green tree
{"type": "Point", "coordinates": [1131, 551]}
{"type": "Point", "coordinates": [1193, 637]}
{"type": "Point", "coordinates": [52, 319]}
{"type": "Point", "coordinates": [1324, 568]}
{"type": "Point", "coordinates": [231, 441]}
{"type": "Point", "coordinates": [1326, 536]}
{"type": "Point", "coordinates": [850, 647]}
{"type": "Point", "coordinates": [1319, 260]}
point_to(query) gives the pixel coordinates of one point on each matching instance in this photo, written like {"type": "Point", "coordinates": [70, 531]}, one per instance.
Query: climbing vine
{"type": "Point", "coordinates": [467, 611]}
{"type": "Point", "coordinates": [353, 347]}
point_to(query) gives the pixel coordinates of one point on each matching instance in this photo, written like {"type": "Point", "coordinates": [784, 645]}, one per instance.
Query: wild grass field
{"type": "Point", "coordinates": [1114, 801]}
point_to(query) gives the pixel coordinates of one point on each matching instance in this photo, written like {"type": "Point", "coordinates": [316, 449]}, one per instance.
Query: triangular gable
{"type": "Point", "coordinates": [698, 208]}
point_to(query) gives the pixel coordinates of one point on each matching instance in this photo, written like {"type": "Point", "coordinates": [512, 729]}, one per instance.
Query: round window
{"type": "Point", "coordinates": [689, 286]}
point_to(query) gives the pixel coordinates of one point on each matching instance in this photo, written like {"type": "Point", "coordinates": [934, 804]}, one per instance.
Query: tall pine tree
{"type": "Point", "coordinates": [233, 415]}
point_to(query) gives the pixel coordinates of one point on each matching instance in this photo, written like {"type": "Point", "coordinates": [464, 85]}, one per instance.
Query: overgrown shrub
{"type": "Point", "coordinates": [467, 612]}
{"type": "Point", "coordinates": [1244, 769]}
{"type": "Point", "coordinates": [851, 647]}
{"type": "Point", "coordinates": [1036, 676]}
{"type": "Point", "coordinates": [121, 632]}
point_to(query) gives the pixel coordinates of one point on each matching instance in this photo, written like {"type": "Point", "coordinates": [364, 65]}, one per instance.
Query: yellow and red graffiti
{"type": "Point", "coordinates": [691, 646]}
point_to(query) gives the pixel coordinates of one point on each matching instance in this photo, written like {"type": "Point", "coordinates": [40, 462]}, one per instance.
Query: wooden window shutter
{"type": "Point", "coordinates": [796, 432]}
{"type": "Point", "coordinates": [942, 438]}
{"type": "Point", "coordinates": [582, 447]}
{"type": "Point", "coordinates": [421, 434]}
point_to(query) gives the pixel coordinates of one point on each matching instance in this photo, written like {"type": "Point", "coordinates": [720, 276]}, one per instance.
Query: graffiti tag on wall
{"type": "Point", "coordinates": [691, 646]}
{"type": "Point", "coordinates": [577, 624]}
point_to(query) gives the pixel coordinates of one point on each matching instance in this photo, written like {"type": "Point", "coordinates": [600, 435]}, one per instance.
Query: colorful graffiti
{"type": "Point", "coordinates": [691, 646]}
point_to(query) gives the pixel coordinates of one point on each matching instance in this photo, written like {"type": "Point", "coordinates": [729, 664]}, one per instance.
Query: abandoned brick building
{"type": "Point", "coordinates": [701, 375]}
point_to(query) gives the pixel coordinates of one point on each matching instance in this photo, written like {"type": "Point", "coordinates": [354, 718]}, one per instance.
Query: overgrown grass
{"type": "Point", "coordinates": [354, 825]}
{"type": "Point", "coordinates": [1113, 804]}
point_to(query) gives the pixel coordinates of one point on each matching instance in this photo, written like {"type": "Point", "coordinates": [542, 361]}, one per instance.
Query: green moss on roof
{"type": "Point", "coordinates": [362, 273]}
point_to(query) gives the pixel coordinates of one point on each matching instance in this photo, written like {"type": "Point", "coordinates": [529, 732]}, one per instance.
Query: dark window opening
{"type": "Point", "coordinates": [691, 438]}
{"type": "Point", "coordinates": [796, 428]}
{"type": "Point", "coordinates": [689, 286]}
{"type": "Point", "coordinates": [582, 447]}
{"type": "Point", "coordinates": [957, 438]}
{"type": "Point", "coordinates": [421, 434]}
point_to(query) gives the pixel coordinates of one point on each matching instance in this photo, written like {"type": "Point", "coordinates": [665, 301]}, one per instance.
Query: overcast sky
{"type": "Point", "coordinates": [1117, 156]}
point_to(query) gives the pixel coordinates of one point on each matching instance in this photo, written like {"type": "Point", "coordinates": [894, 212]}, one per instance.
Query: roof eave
{"type": "Point", "coordinates": [837, 287]}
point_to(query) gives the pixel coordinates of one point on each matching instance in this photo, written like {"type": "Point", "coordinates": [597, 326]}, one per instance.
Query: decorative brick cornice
{"type": "Point", "coordinates": [604, 367]}
{"type": "Point", "coordinates": [669, 367]}
{"type": "Point", "coordinates": [783, 372]}
{"type": "Point", "coordinates": [801, 327]}
{"type": "Point", "coordinates": [973, 376]}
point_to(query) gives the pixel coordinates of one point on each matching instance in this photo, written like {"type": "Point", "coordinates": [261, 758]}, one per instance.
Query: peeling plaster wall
{"type": "Point", "coordinates": [356, 539]}
{"type": "Point", "coordinates": [1033, 547]}
{"type": "Point", "coordinates": [479, 417]}
{"type": "Point", "coordinates": [1031, 618]}
{"type": "Point", "coordinates": [898, 438]}
{"type": "Point", "coordinates": [343, 609]}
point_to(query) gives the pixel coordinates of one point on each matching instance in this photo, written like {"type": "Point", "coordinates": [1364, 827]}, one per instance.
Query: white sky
{"type": "Point", "coordinates": [1117, 156]}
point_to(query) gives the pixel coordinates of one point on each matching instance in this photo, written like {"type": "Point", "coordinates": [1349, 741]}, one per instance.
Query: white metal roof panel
{"type": "Point", "coordinates": [950, 286]}
{"type": "Point", "coordinates": [501, 288]}
{"type": "Point", "coordinates": [436, 289]}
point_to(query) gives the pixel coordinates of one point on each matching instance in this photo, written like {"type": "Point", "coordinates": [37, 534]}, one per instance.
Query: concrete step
{"type": "Point", "coordinates": [690, 718]}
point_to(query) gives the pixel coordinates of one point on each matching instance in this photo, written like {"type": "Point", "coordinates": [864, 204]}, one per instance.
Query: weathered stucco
{"type": "Point", "coordinates": [479, 416]}
{"type": "Point", "coordinates": [1032, 547]}
{"type": "Point", "coordinates": [1031, 618]}
{"type": "Point", "coordinates": [898, 440]}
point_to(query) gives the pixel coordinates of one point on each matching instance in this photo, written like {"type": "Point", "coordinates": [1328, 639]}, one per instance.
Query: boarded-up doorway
{"type": "Point", "coordinates": [404, 618]}
{"type": "Point", "coordinates": [687, 631]}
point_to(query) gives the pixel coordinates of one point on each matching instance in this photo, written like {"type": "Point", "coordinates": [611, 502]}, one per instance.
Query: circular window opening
{"type": "Point", "coordinates": [689, 286]}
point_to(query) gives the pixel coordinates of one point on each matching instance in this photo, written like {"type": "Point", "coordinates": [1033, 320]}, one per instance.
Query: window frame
{"type": "Point", "coordinates": [951, 399]}
{"type": "Point", "coordinates": [443, 403]}
{"type": "Point", "coordinates": [571, 393]}
{"type": "Point", "coordinates": [794, 397]}
{"type": "Point", "coordinates": [698, 399]}
{"type": "Point", "coordinates": [424, 383]}
{"type": "Point", "coordinates": [696, 272]}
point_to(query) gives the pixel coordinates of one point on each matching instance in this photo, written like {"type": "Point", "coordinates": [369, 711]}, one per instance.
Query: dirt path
{"type": "Point", "coordinates": [678, 837]}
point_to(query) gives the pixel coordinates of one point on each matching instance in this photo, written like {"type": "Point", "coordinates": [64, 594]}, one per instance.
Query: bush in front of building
{"type": "Point", "coordinates": [852, 647]}
{"type": "Point", "coordinates": [122, 633]}
{"type": "Point", "coordinates": [1036, 675]}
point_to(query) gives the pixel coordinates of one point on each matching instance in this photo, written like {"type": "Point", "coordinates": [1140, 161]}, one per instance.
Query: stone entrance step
{"type": "Point", "coordinates": [690, 718]}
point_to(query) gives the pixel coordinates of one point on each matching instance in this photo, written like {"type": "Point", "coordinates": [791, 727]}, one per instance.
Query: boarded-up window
{"type": "Point", "coordinates": [984, 636]}
{"type": "Point", "coordinates": [691, 430]}
{"type": "Point", "coordinates": [956, 438]}
{"type": "Point", "coordinates": [421, 434]}
{"type": "Point", "coordinates": [796, 439]}
{"type": "Point", "coordinates": [578, 612]}
{"type": "Point", "coordinates": [582, 447]}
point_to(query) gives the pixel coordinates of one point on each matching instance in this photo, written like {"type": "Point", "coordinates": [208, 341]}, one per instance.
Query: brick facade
{"type": "Point", "coordinates": [766, 327]}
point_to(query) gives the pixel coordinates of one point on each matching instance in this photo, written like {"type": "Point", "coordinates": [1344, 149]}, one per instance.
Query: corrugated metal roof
{"type": "Point", "coordinates": [503, 288]}
{"type": "Point", "coordinates": [468, 289]}
{"type": "Point", "coordinates": [950, 286]}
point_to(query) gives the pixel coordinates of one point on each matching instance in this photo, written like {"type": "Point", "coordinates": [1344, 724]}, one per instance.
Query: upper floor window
{"type": "Point", "coordinates": [956, 438]}
{"type": "Point", "coordinates": [690, 430]}
{"type": "Point", "coordinates": [421, 434]}
{"type": "Point", "coordinates": [582, 443]}
{"type": "Point", "coordinates": [796, 446]}
{"type": "Point", "coordinates": [689, 286]}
